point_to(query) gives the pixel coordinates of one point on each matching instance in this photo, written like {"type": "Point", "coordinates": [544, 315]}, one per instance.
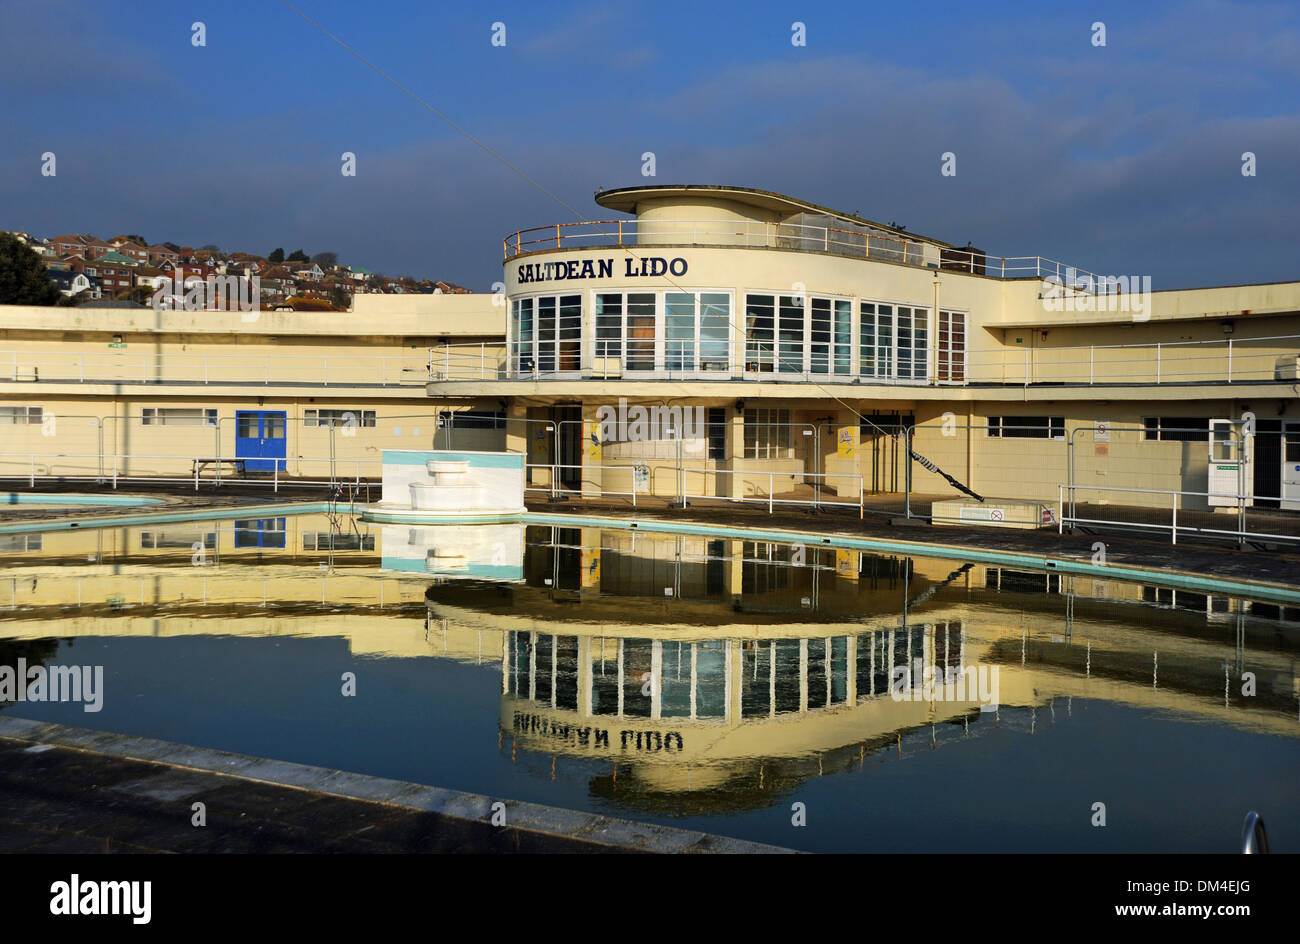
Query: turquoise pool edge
{"type": "Point", "coordinates": [1178, 580]}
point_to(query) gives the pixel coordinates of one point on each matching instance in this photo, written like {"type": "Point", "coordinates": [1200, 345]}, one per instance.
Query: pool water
{"type": "Point", "coordinates": [752, 689]}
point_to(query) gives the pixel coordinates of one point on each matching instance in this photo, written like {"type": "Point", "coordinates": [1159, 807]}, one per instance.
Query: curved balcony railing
{"type": "Point", "coordinates": [748, 234]}
{"type": "Point", "coordinates": [1231, 360]}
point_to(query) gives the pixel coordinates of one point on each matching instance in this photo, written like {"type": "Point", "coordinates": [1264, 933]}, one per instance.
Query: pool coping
{"type": "Point", "coordinates": [615, 833]}
{"type": "Point", "coordinates": [1187, 580]}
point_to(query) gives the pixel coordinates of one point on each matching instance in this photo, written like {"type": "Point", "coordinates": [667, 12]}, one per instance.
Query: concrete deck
{"type": "Point", "coordinates": [72, 790]}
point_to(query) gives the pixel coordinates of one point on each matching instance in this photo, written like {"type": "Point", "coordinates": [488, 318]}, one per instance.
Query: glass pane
{"type": "Point", "coordinates": [641, 332]}
{"type": "Point", "coordinates": [546, 334]}
{"type": "Point", "coordinates": [759, 321]}
{"type": "Point", "coordinates": [790, 336]}
{"type": "Point", "coordinates": [273, 426]}
{"type": "Point", "coordinates": [715, 331]}
{"type": "Point", "coordinates": [609, 325]}
{"type": "Point", "coordinates": [820, 335]}
{"type": "Point", "coordinates": [843, 337]}
{"type": "Point", "coordinates": [679, 311]}
{"type": "Point", "coordinates": [247, 426]}
{"type": "Point", "coordinates": [570, 332]}
{"type": "Point", "coordinates": [867, 341]}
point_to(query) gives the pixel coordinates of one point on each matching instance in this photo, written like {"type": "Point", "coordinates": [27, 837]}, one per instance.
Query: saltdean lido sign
{"type": "Point", "coordinates": [633, 268]}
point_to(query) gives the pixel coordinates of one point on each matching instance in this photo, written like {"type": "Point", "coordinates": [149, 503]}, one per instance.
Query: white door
{"type": "Point", "coordinates": [1231, 469]}
{"type": "Point", "coordinates": [1291, 465]}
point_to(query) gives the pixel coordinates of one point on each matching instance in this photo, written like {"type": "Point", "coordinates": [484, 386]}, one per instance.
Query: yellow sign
{"type": "Point", "coordinates": [846, 564]}
{"type": "Point", "coordinates": [592, 433]}
{"type": "Point", "coordinates": [590, 567]}
{"type": "Point", "coordinates": [846, 442]}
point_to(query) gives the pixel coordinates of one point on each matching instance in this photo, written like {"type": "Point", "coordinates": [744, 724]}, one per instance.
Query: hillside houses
{"type": "Point", "coordinates": [85, 267]}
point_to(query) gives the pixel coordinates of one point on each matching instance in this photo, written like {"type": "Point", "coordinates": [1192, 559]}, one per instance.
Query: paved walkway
{"type": "Point", "coordinates": [65, 789]}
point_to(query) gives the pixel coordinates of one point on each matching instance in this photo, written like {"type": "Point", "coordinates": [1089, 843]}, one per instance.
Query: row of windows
{"type": "Point", "coordinates": [692, 332]}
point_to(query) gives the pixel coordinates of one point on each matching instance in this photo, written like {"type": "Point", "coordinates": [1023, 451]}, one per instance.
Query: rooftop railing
{"type": "Point", "coordinates": [858, 244]}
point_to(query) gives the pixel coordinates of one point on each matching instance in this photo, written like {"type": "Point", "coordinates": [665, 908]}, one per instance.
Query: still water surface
{"type": "Point", "coordinates": [703, 683]}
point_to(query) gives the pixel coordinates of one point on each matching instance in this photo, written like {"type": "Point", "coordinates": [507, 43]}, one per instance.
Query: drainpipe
{"type": "Point", "coordinates": [934, 336]}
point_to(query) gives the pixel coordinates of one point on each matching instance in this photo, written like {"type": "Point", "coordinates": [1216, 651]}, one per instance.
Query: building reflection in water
{"type": "Point", "coordinates": [686, 670]}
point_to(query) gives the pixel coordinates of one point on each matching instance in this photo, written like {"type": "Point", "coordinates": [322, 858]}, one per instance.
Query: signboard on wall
{"type": "Point", "coordinates": [846, 441]}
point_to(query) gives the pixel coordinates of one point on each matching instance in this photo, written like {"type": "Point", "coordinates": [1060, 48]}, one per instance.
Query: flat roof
{"type": "Point", "coordinates": [625, 200]}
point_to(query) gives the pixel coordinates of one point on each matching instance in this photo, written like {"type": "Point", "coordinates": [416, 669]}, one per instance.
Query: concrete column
{"type": "Point", "coordinates": [734, 487]}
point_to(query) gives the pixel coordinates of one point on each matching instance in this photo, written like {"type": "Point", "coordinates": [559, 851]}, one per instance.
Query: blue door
{"type": "Point", "coordinates": [259, 438]}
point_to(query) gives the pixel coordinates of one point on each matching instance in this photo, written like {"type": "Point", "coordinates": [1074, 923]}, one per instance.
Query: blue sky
{"type": "Point", "coordinates": [1124, 159]}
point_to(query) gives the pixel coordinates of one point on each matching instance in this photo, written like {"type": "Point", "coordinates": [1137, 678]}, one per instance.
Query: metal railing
{"type": "Point", "coordinates": [115, 470]}
{"type": "Point", "coordinates": [1228, 360]}
{"type": "Point", "coordinates": [681, 494]}
{"type": "Point", "coordinates": [1217, 361]}
{"type": "Point", "coordinates": [36, 366]}
{"type": "Point", "coordinates": [841, 241]}
{"type": "Point", "coordinates": [1268, 528]}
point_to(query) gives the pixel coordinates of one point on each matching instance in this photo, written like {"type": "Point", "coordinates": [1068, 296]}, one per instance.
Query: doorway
{"type": "Point", "coordinates": [260, 440]}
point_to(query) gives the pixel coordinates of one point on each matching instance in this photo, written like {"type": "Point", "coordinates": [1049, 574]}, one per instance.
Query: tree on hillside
{"type": "Point", "coordinates": [137, 238]}
{"type": "Point", "coordinates": [298, 256]}
{"type": "Point", "coordinates": [326, 259]}
{"type": "Point", "coordinates": [22, 275]}
{"type": "Point", "coordinates": [211, 247]}
{"type": "Point", "coordinates": [276, 256]}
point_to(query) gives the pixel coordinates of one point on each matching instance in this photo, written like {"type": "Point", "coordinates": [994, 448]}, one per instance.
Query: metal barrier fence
{"type": "Point", "coordinates": [1156, 478]}
{"type": "Point", "coordinates": [1093, 507]}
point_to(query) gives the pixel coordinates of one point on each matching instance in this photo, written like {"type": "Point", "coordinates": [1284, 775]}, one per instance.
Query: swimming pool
{"type": "Point", "coordinates": [697, 680]}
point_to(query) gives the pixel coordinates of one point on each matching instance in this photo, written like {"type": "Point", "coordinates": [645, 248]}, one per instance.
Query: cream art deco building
{"type": "Point", "coordinates": [784, 344]}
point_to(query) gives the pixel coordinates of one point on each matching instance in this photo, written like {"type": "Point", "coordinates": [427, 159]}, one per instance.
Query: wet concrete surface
{"type": "Point", "coordinates": [60, 795]}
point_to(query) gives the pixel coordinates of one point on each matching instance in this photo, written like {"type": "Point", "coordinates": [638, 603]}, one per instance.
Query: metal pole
{"type": "Point", "coordinates": [1175, 519]}
{"type": "Point", "coordinates": [907, 467]}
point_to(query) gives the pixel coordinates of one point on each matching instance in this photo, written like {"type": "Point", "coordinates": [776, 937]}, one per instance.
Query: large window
{"type": "Point", "coordinates": [625, 328]}
{"type": "Point", "coordinates": [1027, 427]}
{"type": "Point", "coordinates": [1176, 428]}
{"type": "Point", "coordinates": [178, 416]}
{"type": "Point", "coordinates": [767, 434]}
{"type": "Point", "coordinates": [951, 346]}
{"type": "Point", "coordinates": [759, 333]}
{"type": "Point", "coordinates": [830, 335]}
{"type": "Point", "coordinates": [789, 335]}
{"type": "Point", "coordinates": [546, 333]}
{"type": "Point", "coordinates": [521, 336]}
{"type": "Point", "coordinates": [913, 336]}
{"type": "Point", "coordinates": [893, 341]}
{"type": "Point", "coordinates": [609, 325]}
{"type": "Point", "coordinates": [876, 341]}
{"type": "Point", "coordinates": [697, 331]}
{"type": "Point", "coordinates": [640, 330]}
